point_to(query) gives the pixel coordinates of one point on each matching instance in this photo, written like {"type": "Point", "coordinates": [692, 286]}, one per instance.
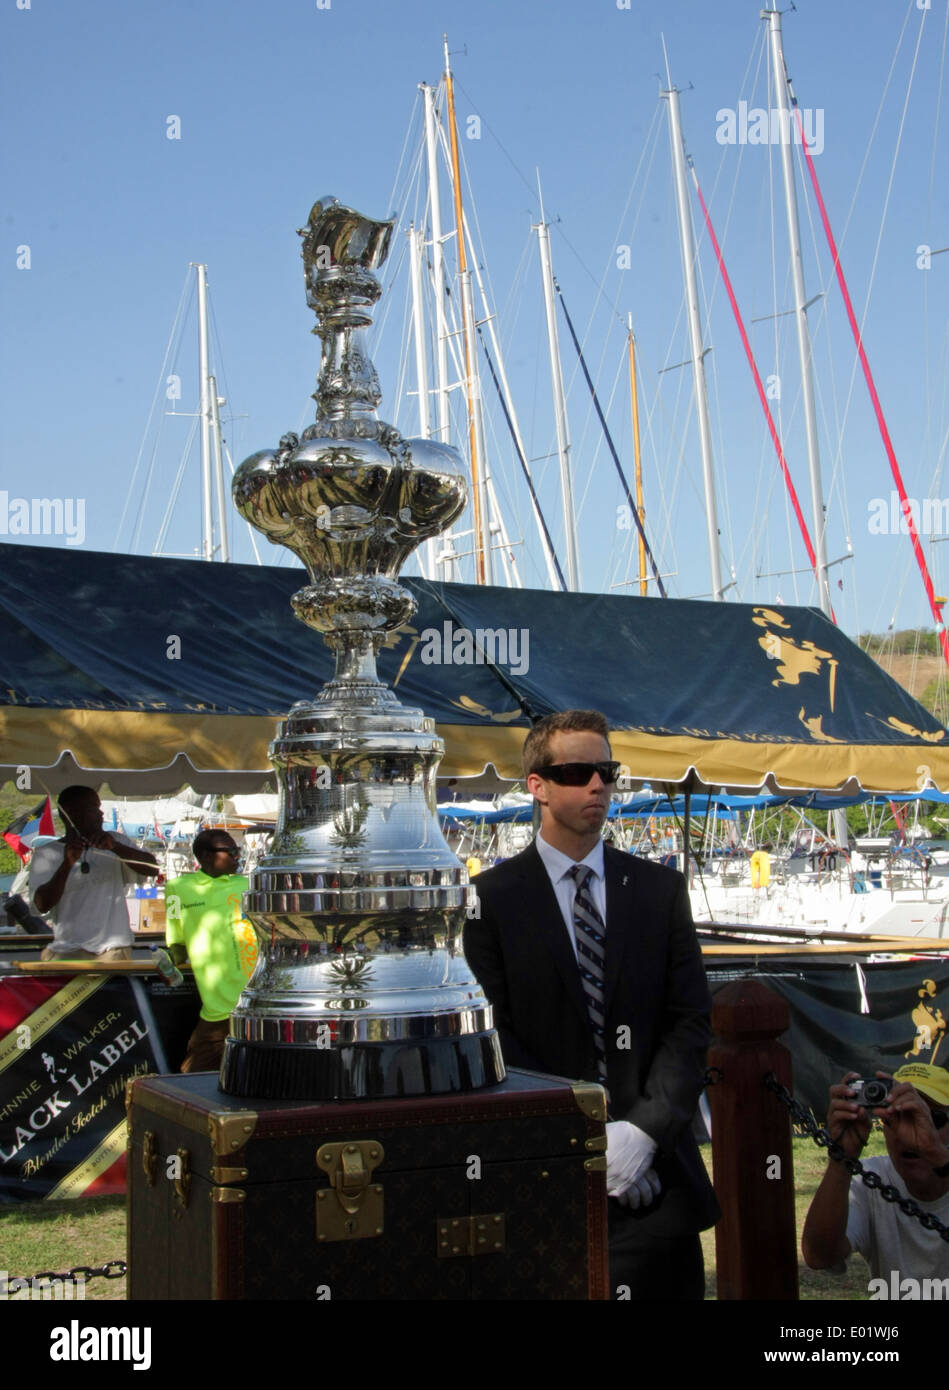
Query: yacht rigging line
{"type": "Point", "coordinates": [484, 573]}
{"type": "Point", "coordinates": [413, 117]}
{"type": "Point", "coordinates": [535, 500]}
{"type": "Point", "coordinates": [175, 492]}
{"type": "Point", "coordinates": [759, 386]}
{"type": "Point", "coordinates": [839, 433]}
{"type": "Point", "coordinates": [171, 350]}
{"type": "Point", "coordinates": [930, 412]}
{"type": "Point", "coordinates": [250, 530]}
{"type": "Point", "coordinates": [874, 397]}
{"type": "Point", "coordinates": [610, 445]}
{"type": "Point", "coordinates": [482, 279]}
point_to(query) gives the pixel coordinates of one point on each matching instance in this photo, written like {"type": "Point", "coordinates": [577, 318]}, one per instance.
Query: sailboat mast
{"type": "Point", "coordinates": [448, 555]}
{"type": "Point", "coordinates": [687, 244]}
{"type": "Point", "coordinates": [421, 372]}
{"type": "Point", "coordinates": [438, 264]}
{"type": "Point", "coordinates": [484, 570]}
{"type": "Point", "coordinates": [518, 440]}
{"type": "Point", "coordinates": [421, 360]}
{"type": "Point", "coordinates": [560, 404]}
{"type": "Point", "coordinates": [218, 467]}
{"type": "Point", "coordinates": [637, 454]}
{"type": "Point", "coordinates": [779, 76]}
{"type": "Point", "coordinates": [207, 523]}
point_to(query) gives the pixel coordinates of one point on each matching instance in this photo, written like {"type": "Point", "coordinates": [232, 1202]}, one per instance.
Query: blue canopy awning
{"type": "Point", "coordinates": [180, 669]}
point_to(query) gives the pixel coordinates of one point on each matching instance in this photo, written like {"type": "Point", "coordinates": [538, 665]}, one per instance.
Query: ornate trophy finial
{"type": "Point", "coordinates": [361, 988]}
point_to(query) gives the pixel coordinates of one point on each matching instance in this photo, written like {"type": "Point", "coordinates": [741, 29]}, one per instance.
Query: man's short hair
{"type": "Point", "coordinates": [203, 842]}
{"type": "Point", "coordinates": [70, 797]}
{"type": "Point", "coordinates": [569, 721]}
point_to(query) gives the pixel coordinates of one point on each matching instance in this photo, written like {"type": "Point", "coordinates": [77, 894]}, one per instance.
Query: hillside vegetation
{"type": "Point", "coordinates": [913, 657]}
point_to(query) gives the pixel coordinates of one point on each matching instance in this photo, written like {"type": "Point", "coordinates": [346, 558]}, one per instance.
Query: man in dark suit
{"type": "Point", "coordinates": [590, 959]}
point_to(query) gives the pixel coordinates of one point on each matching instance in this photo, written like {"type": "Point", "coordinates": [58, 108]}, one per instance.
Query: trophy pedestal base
{"type": "Point", "coordinates": [362, 1071]}
{"type": "Point", "coordinates": [495, 1194]}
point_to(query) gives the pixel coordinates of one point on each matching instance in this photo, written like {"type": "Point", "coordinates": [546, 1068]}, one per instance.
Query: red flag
{"type": "Point", "coordinates": [20, 833]}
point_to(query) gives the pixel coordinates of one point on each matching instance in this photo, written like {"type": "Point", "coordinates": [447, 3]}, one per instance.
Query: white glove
{"type": "Point", "coordinates": [629, 1156]}
{"type": "Point", "coordinates": [642, 1192]}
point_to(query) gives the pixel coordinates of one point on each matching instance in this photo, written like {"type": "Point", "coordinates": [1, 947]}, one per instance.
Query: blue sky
{"type": "Point", "coordinates": [282, 102]}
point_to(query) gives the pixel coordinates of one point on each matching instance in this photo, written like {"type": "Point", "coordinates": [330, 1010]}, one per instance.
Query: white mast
{"type": "Point", "coordinates": [428, 564]}
{"type": "Point", "coordinates": [438, 263]}
{"type": "Point", "coordinates": [447, 556]}
{"type": "Point", "coordinates": [560, 405]}
{"type": "Point", "coordinates": [516, 429]}
{"type": "Point", "coordinates": [837, 818]}
{"type": "Point", "coordinates": [207, 523]}
{"type": "Point", "coordinates": [218, 466]}
{"type": "Point", "coordinates": [484, 563]}
{"type": "Point", "coordinates": [418, 328]}
{"type": "Point", "coordinates": [488, 320]}
{"type": "Point", "coordinates": [687, 244]}
{"type": "Point", "coordinates": [800, 305]}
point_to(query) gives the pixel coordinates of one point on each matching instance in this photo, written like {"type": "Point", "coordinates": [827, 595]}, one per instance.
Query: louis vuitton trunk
{"type": "Point", "coordinates": [494, 1194]}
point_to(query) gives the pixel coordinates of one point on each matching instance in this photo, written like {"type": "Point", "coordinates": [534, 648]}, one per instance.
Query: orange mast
{"type": "Point", "coordinates": [483, 567]}
{"type": "Point", "coordinates": [634, 397]}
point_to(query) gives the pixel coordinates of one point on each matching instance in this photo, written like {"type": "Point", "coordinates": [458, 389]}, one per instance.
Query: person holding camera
{"type": "Point", "coordinates": [845, 1215]}
{"type": "Point", "coordinates": [79, 881]}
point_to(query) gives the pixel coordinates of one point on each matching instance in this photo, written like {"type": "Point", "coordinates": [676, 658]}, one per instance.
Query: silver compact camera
{"type": "Point", "coordinates": [870, 1091]}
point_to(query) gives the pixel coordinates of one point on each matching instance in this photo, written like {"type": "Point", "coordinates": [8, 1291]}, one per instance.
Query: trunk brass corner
{"type": "Point", "coordinates": [220, 1173]}
{"type": "Point", "coordinates": [229, 1133]}
{"type": "Point", "coordinates": [227, 1194]}
{"type": "Point", "coordinates": [590, 1098]}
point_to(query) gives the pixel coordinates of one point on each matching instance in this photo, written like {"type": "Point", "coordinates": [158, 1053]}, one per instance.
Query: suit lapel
{"type": "Point", "coordinates": [543, 918]}
{"type": "Point", "coordinates": [620, 914]}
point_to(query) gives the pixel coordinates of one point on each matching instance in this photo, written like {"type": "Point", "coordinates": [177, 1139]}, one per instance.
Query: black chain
{"type": "Point", "coordinates": [112, 1269]}
{"type": "Point", "coordinates": [805, 1121]}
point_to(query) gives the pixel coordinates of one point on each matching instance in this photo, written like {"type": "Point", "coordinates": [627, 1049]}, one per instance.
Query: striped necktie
{"type": "Point", "coordinates": [590, 934]}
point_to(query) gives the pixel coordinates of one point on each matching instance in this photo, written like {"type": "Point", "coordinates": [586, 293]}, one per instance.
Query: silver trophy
{"type": "Point", "coordinates": [361, 988]}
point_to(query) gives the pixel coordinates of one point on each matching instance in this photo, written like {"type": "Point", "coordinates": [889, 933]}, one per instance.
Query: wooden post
{"type": "Point", "coordinates": [755, 1241]}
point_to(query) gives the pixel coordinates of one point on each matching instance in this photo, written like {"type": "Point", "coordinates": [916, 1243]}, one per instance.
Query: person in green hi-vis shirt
{"type": "Point", "coordinates": [204, 924]}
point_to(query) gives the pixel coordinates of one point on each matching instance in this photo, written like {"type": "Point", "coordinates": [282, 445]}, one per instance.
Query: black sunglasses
{"type": "Point", "coordinates": [578, 774]}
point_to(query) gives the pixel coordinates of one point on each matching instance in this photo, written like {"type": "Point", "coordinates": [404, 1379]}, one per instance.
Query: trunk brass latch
{"type": "Point", "coordinates": [351, 1207]}
{"type": "Point", "coordinates": [182, 1171]}
{"type": "Point", "coordinates": [150, 1157]}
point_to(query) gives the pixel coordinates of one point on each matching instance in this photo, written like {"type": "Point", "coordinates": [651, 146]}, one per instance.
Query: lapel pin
{"type": "Point", "coordinates": [625, 880]}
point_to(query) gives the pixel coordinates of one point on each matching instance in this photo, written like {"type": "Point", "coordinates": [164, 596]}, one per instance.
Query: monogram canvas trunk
{"type": "Point", "coordinates": [494, 1194]}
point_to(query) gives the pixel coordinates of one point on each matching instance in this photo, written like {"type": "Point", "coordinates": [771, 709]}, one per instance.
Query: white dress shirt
{"type": "Point", "coordinates": [558, 866]}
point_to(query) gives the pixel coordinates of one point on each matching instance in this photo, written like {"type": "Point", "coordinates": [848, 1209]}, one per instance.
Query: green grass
{"type": "Point", "coordinates": [57, 1236]}
{"type": "Point", "coordinates": [814, 1284]}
